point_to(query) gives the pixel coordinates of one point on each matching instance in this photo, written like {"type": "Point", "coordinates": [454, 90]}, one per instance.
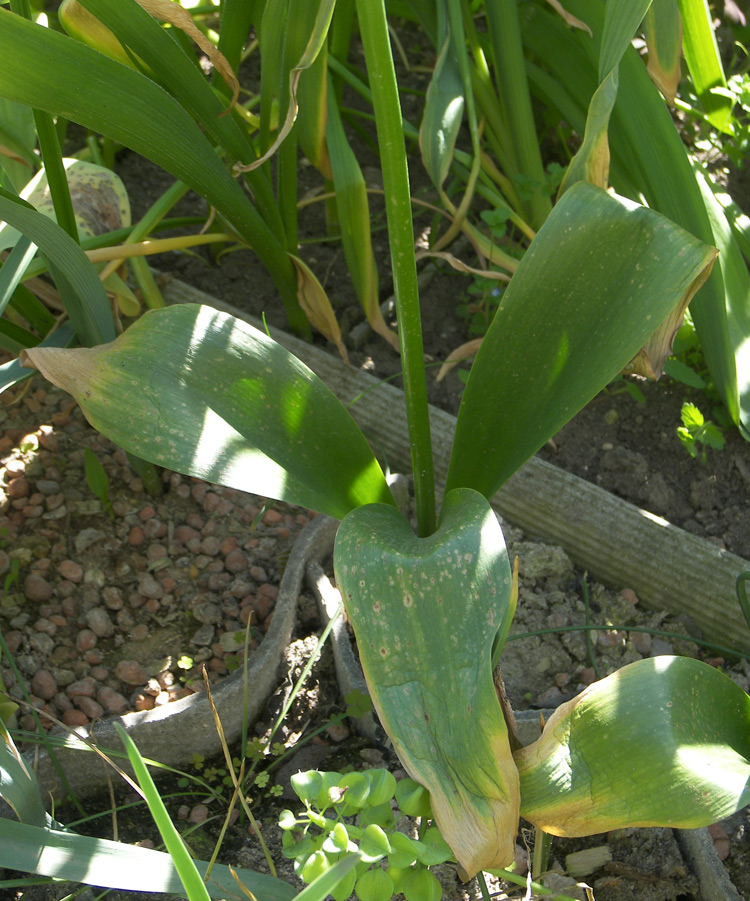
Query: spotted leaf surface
{"type": "Point", "coordinates": [425, 612]}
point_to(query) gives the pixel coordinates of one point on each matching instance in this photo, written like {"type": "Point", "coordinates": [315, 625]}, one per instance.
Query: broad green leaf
{"type": "Point", "coordinates": [100, 862]}
{"type": "Point", "coordinates": [648, 157]}
{"type": "Point", "coordinates": [704, 61]}
{"type": "Point", "coordinates": [425, 612]}
{"type": "Point", "coordinates": [85, 299]}
{"type": "Point", "coordinates": [663, 28]}
{"type": "Point", "coordinates": [662, 742]}
{"type": "Point", "coordinates": [374, 843]}
{"type": "Point", "coordinates": [203, 393]}
{"type": "Point", "coordinates": [599, 278]}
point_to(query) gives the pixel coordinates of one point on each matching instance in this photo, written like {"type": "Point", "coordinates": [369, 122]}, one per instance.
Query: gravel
{"type": "Point", "coordinates": [115, 603]}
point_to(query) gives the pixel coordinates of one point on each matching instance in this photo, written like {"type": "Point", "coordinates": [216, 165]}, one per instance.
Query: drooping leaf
{"type": "Point", "coordinates": [591, 162]}
{"type": "Point", "coordinates": [85, 299]}
{"type": "Point", "coordinates": [120, 103]}
{"type": "Point", "coordinates": [664, 741]}
{"type": "Point", "coordinates": [648, 157]}
{"type": "Point", "coordinates": [354, 219]}
{"type": "Point", "coordinates": [601, 275]}
{"type": "Point", "coordinates": [425, 612]}
{"type": "Point", "coordinates": [100, 862]}
{"type": "Point", "coordinates": [203, 393]}
{"type": "Point", "coordinates": [663, 28]}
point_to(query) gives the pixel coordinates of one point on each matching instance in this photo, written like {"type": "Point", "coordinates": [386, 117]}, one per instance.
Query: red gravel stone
{"type": "Point", "coordinates": [74, 718]}
{"type": "Point", "coordinates": [210, 546]}
{"type": "Point", "coordinates": [71, 571]}
{"type": "Point", "coordinates": [211, 502]}
{"type": "Point", "coordinates": [269, 591]}
{"type": "Point", "coordinates": [272, 517]}
{"type": "Point", "coordinates": [131, 672]}
{"type": "Point", "coordinates": [85, 687]}
{"type": "Point", "coordinates": [43, 684]}
{"type": "Point", "coordinates": [235, 561]}
{"type": "Point", "coordinates": [143, 701]}
{"type": "Point", "coordinates": [228, 544]}
{"type": "Point", "coordinates": [90, 707]}
{"type": "Point", "coordinates": [112, 701]}
{"type": "Point", "coordinates": [184, 533]}
{"type": "Point", "coordinates": [139, 632]}
{"type": "Point", "coordinates": [262, 606]}
{"type": "Point", "coordinates": [147, 512]}
{"type": "Point", "coordinates": [136, 536]}
{"type": "Point", "coordinates": [86, 640]}
{"type": "Point", "coordinates": [18, 488]}
{"type": "Point", "coordinates": [13, 640]}
{"type": "Point", "coordinates": [36, 588]}
{"type": "Point", "coordinates": [45, 626]}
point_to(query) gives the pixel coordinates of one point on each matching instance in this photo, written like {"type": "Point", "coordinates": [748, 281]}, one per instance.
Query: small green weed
{"type": "Point", "coordinates": [97, 479]}
{"type": "Point", "coordinates": [698, 434]}
{"type": "Point", "coordinates": [320, 836]}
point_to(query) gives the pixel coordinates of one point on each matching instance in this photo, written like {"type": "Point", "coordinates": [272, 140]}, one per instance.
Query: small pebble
{"type": "Point", "coordinates": [93, 709]}
{"type": "Point", "coordinates": [112, 701]}
{"type": "Point", "coordinates": [43, 684]}
{"type": "Point", "coordinates": [37, 588]}
{"type": "Point", "coordinates": [100, 623]}
{"type": "Point", "coordinates": [74, 717]}
{"type": "Point", "coordinates": [83, 688]}
{"type": "Point", "coordinates": [18, 488]}
{"type": "Point", "coordinates": [86, 640]}
{"type": "Point", "coordinates": [131, 672]}
{"type": "Point", "coordinates": [198, 814]}
{"type": "Point", "coordinates": [71, 571]}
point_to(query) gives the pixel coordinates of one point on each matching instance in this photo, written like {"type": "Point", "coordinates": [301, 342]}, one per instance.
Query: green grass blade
{"type": "Point", "coordinates": [737, 293]}
{"type": "Point", "coordinates": [183, 862]}
{"type": "Point", "coordinates": [100, 862]}
{"type": "Point", "coordinates": [120, 103]}
{"type": "Point", "coordinates": [135, 28]}
{"type": "Point", "coordinates": [13, 270]}
{"type": "Point", "coordinates": [85, 299]}
{"type": "Point", "coordinates": [505, 33]}
{"type": "Point", "coordinates": [704, 61]}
